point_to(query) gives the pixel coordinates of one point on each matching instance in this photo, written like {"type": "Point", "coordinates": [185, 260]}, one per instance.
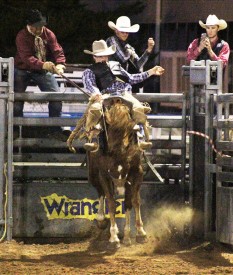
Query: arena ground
{"type": "Point", "coordinates": [93, 256]}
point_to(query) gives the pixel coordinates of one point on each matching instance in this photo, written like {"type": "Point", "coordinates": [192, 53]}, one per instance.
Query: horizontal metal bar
{"type": "Point", "coordinates": [63, 164]}
{"type": "Point", "coordinates": [50, 96]}
{"type": "Point", "coordinates": [37, 143]}
{"type": "Point", "coordinates": [78, 96]}
{"type": "Point", "coordinates": [45, 121]}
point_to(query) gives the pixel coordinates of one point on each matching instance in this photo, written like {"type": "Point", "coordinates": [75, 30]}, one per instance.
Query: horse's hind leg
{"type": "Point", "coordinates": [101, 215]}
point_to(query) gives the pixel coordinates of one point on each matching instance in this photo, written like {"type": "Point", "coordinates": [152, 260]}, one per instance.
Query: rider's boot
{"type": "Point", "coordinates": [138, 115]}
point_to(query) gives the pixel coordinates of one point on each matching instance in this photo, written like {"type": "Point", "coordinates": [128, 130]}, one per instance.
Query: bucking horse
{"type": "Point", "coordinates": [115, 167]}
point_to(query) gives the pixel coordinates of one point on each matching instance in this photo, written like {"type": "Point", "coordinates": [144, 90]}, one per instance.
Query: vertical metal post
{"type": "Point", "coordinates": [2, 152]}
{"type": "Point", "coordinates": [213, 86]}
{"type": "Point", "coordinates": [10, 148]}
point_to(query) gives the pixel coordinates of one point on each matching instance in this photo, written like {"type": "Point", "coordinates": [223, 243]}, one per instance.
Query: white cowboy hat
{"type": "Point", "coordinates": [212, 20]}
{"type": "Point", "coordinates": [100, 48]}
{"type": "Point", "coordinates": [123, 24]}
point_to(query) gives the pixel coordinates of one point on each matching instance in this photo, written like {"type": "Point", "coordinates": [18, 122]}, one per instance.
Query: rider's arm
{"type": "Point", "coordinates": [89, 82]}
{"type": "Point", "coordinates": [135, 78]}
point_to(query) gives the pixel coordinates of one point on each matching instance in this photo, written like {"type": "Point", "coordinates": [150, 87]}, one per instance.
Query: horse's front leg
{"type": "Point", "coordinates": [102, 222]}
{"type": "Point", "coordinates": [141, 233]}
{"type": "Point", "coordinates": [113, 225]}
{"type": "Point", "coordinates": [127, 240]}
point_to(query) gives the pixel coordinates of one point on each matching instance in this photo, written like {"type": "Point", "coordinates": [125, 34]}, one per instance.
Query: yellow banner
{"type": "Point", "coordinates": [61, 207]}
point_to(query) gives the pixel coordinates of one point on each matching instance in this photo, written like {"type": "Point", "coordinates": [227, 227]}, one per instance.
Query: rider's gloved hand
{"type": "Point", "coordinates": [49, 66]}
{"type": "Point", "coordinates": [59, 69]}
{"type": "Point", "coordinates": [131, 51]}
{"type": "Point", "coordinates": [156, 70]}
{"type": "Point", "coordinates": [96, 98]}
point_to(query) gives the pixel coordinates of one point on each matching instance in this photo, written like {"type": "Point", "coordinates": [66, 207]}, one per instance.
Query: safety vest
{"type": "Point", "coordinates": [107, 75]}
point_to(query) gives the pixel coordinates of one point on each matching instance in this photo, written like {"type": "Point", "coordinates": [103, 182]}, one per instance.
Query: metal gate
{"type": "Point", "coordinates": [211, 174]}
{"type": "Point", "coordinates": [51, 194]}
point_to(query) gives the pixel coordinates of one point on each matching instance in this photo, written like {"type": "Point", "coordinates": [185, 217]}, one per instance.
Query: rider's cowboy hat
{"type": "Point", "coordinates": [100, 48]}
{"type": "Point", "coordinates": [123, 24]}
{"type": "Point", "coordinates": [212, 20]}
{"type": "Point", "coordinates": [35, 19]}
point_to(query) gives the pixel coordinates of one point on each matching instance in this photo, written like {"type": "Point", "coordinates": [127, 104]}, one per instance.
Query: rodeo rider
{"type": "Point", "coordinates": [106, 78]}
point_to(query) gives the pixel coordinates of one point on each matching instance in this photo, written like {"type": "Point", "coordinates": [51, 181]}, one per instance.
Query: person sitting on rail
{"type": "Point", "coordinates": [106, 78]}
{"type": "Point", "coordinates": [39, 56]}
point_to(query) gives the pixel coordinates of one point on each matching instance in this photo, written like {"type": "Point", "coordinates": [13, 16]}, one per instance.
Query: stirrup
{"type": "Point", "coordinates": [147, 108]}
{"type": "Point", "coordinates": [145, 145]}
{"type": "Point", "coordinates": [136, 127]}
{"type": "Point", "coordinates": [90, 146]}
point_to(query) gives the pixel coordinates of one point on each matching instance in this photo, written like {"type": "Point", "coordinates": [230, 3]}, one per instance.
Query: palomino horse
{"type": "Point", "coordinates": [115, 169]}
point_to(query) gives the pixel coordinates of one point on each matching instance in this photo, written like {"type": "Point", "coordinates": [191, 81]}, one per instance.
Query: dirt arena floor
{"type": "Point", "coordinates": [93, 256]}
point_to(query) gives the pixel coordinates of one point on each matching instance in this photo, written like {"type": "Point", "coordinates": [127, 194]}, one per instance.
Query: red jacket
{"type": "Point", "coordinates": [25, 58]}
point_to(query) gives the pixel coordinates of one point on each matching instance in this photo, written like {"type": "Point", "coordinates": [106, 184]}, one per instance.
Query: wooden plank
{"type": "Point", "coordinates": [165, 123]}
{"type": "Point", "coordinates": [49, 172]}
{"type": "Point", "coordinates": [225, 176]}
{"type": "Point", "coordinates": [225, 98]}
{"type": "Point", "coordinates": [224, 123]}
{"type": "Point", "coordinates": [49, 157]}
{"type": "Point", "coordinates": [37, 143]}
{"type": "Point", "coordinates": [221, 161]}
{"type": "Point", "coordinates": [168, 144]}
{"type": "Point", "coordinates": [224, 145]}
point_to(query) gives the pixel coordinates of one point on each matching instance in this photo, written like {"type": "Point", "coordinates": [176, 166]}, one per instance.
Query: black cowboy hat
{"type": "Point", "coordinates": [35, 19]}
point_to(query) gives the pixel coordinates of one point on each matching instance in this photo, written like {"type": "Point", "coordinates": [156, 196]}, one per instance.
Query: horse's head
{"type": "Point", "coordinates": [118, 174]}
{"type": "Point", "coordinates": [119, 125]}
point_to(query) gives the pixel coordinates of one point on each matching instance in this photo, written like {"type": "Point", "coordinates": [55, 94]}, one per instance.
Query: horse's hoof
{"type": "Point", "coordinates": [127, 242]}
{"type": "Point", "coordinates": [114, 246]}
{"type": "Point", "coordinates": [103, 224]}
{"type": "Point", "coordinates": [141, 239]}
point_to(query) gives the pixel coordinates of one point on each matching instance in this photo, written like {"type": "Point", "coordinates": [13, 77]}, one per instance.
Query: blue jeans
{"type": "Point", "coordinates": [45, 81]}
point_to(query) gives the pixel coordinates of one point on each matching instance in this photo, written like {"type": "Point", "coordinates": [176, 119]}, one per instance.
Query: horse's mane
{"type": "Point", "coordinates": [120, 128]}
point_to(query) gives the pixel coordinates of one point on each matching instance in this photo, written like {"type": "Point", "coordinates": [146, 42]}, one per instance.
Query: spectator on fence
{"type": "Point", "coordinates": [125, 54]}
{"type": "Point", "coordinates": [106, 78]}
{"type": "Point", "coordinates": [39, 56]}
{"type": "Point", "coordinates": [209, 45]}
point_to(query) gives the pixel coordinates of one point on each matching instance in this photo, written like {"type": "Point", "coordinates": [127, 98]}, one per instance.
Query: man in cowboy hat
{"type": "Point", "coordinates": [209, 46]}
{"type": "Point", "coordinates": [106, 78]}
{"type": "Point", "coordinates": [39, 56]}
{"type": "Point", "coordinates": [125, 53]}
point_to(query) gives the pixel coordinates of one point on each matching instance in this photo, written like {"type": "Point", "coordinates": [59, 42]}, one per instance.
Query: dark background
{"type": "Point", "coordinates": [75, 26]}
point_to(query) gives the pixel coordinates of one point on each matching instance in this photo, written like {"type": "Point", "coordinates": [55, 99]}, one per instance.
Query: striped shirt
{"type": "Point", "coordinates": [121, 55]}
{"type": "Point", "coordinates": [89, 82]}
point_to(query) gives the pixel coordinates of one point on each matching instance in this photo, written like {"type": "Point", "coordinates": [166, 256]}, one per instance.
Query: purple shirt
{"type": "Point", "coordinates": [89, 82]}
{"type": "Point", "coordinates": [193, 52]}
{"type": "Point", "coordinates": [26, 59]}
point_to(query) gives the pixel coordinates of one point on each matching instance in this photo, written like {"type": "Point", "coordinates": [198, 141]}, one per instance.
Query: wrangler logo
{"type": "Point", "coordinates": [61, 207]}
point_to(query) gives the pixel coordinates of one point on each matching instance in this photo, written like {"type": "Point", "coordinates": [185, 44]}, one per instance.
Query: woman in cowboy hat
{"type": "Point", "coordinates": [125, 54]}
{"type": "Point", "coordinates": [105, 78]}
{"type": "Point", "coordinates": [209, 46]}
